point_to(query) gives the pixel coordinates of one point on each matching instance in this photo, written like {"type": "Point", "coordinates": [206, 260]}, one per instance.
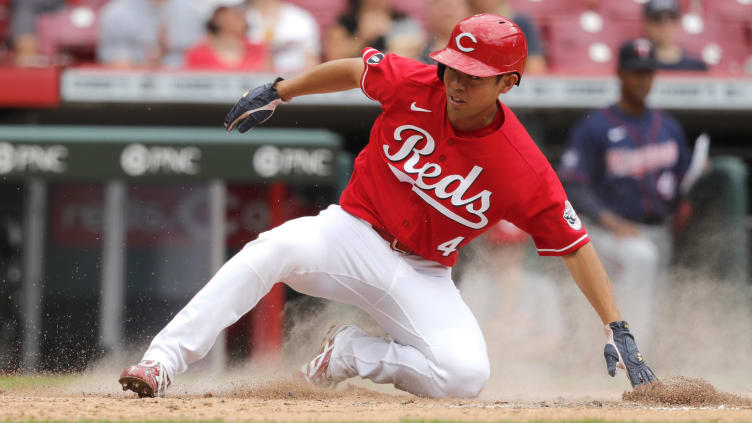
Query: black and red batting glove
{"type": "Point", "coordinates": [253, 108]}
{"type": "Point", "coordinates": [621, 351]}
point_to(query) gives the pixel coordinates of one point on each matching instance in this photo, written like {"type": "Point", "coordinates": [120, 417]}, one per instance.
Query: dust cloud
{"type": "Point", "coordinates": [544, 340]}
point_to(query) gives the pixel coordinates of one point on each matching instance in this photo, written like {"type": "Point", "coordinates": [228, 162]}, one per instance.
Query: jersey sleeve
{"type": "Point", "coordinates": [548, 216]}
{"type": "Point", "coordinates": [381, 75]}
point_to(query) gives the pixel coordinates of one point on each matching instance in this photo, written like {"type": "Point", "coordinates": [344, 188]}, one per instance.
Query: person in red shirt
{"type": "Point", "coordinates": [445, 161]}
{"type": "Point", "coordinates": [226, 46]}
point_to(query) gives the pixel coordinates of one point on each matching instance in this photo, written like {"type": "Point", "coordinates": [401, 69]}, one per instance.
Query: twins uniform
{"type": "Point", "coordinates": [419, 191]}
{"type": "Point", "coordinates": [630, 166]}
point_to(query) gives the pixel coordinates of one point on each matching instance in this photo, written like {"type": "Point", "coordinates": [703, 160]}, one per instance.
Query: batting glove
{"type": "Point", "coordinates": [621, 351]}
{"type": "Point", "coordinates": [254, 108]}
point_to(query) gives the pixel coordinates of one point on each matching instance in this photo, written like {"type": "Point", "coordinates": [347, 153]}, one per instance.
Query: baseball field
{"type": "Point", "coordinates": [544, 368]}
{"type": "Point", "coordinates": [91, 398]}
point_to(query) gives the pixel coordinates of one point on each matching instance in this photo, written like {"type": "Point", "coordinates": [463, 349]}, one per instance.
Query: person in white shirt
{"type": "Point", "coordinates": [291, 33]}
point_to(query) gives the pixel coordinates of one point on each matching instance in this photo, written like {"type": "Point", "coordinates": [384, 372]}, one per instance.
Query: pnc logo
{"type": "Point", "coordinates": [138, 160]}
{"type": "Point", "coordinates": [270, 161]}
{"type": "Point", "coordinates": [476, 205]}
{"type": "Point", "coordinates": [32, 158]}
{"type": "Point", "coordinates": [458, 41]}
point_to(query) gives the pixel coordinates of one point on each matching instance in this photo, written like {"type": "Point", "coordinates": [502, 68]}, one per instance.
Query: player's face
{"type": "Point", "coordinates": [471, 100]}
{"type": "Point", "coordinates": [636, 85]}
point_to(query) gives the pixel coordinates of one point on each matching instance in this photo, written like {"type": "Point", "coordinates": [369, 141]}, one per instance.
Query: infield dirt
{"type": "Point", "coordinates": [289, 401]}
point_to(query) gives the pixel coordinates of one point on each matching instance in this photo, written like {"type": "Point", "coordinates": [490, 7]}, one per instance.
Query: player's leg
{"type": "Point", "coordinates": [437, 349]}
{"type": "Point", "coordinates": [235, 289]}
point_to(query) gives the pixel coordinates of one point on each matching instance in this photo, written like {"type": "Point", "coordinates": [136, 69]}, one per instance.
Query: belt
{"type": "Point", "coordinates": [653, 219]}
{"type": "Point", "coordinates": [393, 242]}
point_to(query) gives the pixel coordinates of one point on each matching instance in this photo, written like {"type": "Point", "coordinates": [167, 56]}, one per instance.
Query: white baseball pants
{"type": "Point", "coordinates": [437, 350]}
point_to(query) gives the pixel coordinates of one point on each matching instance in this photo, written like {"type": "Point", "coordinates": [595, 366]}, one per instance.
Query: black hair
{"type": "Point", "coordinates": [353, 6]}
{"type": "Point", "coordinates": [441, 68]}
{"type": "Point", "coordinates": [211, 24]}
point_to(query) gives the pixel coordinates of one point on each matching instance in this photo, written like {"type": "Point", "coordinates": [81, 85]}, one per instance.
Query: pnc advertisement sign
{"type": "Point", "coordinates": [98, 154]}
{"type": "Point", "coordinates": [270, 161]}
{"type": "Point", "coordinates": [139, 160]}
{"type": "Point", "coordinates": [32, 158]}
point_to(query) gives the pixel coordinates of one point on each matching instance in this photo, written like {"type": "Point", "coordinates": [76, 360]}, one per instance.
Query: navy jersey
{"type": "Point", "coordinates": [631, 166]}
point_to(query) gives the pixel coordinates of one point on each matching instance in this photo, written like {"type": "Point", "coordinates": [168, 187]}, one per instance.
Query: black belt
{"type": "Point", "coordinates": [393, 242]}
{"type": "Point", "coordinates": [653, 219]}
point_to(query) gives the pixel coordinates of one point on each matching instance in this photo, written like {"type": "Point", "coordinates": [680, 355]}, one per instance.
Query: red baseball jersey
{"type": "Point", "coordinates": [435, 189]}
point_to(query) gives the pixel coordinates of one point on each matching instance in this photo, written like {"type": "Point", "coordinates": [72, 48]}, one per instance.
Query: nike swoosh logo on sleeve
{"type": "Point", "coordinates": [415, 108]}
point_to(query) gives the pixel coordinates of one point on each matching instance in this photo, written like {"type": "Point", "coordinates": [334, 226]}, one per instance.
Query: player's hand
{"type": "Point", "coordinates": [253, 108]}
{"type": "Point", "coordinates": [621, 228]}
{"type": "Point", "coordinates": [621, 351]}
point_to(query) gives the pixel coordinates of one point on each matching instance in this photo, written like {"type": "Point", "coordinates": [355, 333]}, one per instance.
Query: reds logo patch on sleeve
{"type": "Point", "coordinates": [375, 59]}
{"type": "Point", "coordinates": [571, 217]}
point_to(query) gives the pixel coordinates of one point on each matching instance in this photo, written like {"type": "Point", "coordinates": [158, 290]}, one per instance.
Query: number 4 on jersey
{"type": "Point", "coordinates": [450, 246]}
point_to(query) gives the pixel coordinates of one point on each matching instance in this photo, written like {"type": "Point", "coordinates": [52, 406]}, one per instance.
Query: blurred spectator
{"type": "Point", "coordinates": [24, 27]}
{"type": "Point", "coordinates": [536, 59]}
{"type": "Point", "coordinates": [621, 169]}
{"type": "Point", "coordinates": [661, 27]}
{"type": "Point", "coordinates": [443, 15]}
{"type": "Point", "coordinates": [149, 32]}
{"type": "Point", "coordinates": [290, 32]}
{"type": "Point", "coordinates": [226, 45]}
{"type": "Point", "coordinates": [373, 23]}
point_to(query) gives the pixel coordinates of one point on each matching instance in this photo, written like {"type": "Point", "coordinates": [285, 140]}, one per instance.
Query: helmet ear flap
{"type": "Point", "coordinates": [440, 71]}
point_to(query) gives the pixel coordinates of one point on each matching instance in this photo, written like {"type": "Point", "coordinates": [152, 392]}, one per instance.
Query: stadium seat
{"type": "Point", "coordinates": [723, 45]}
{"type": "Point", "coordinates": [72, 31]}
{"type": "Point", "coordinates": [94, 4]}
{"type": "Point", "coordinates": [733, 10]}
{"type": "Point", "coordinates": [587, 41]}
{"type": "Point", "coordinates": [4, 19]}
{"type": "Point", "coordinates": [632, 9]}
{"type": "Point", "coordinates": [544, 9]}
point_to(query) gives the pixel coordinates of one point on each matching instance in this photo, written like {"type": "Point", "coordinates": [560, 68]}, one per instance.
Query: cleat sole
{"type": "Point", "coordinates": [136, 385]}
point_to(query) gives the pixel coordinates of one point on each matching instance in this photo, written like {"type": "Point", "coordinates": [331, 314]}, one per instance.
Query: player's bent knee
{"type": "Point", "coordinates": [467, 378]}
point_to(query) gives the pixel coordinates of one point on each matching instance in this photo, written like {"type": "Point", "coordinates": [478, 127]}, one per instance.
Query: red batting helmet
{"type": "Point", "coordinates": [485, 45]}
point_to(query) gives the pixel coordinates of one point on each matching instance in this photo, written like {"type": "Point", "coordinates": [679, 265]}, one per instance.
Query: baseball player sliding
{"type": "Point", "coordinates": [445, 161]}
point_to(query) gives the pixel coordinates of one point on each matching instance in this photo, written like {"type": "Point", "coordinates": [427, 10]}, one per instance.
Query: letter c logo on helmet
{"type": "Point", "coordinates": [484, 45]}
{"type": "Point", "coordinates": [459, 38]}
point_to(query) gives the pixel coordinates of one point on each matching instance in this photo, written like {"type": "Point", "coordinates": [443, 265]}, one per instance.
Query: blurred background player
{"type": "Point", "coordinates": [621, 168]}
{"type": "Point", "coordinates": [536, 59]}
{"type": "Point", "coordinates": [227, 46]}
{"type": "Point", "coordinates": [661, 18]}
{"type": "Point", "coordinates": [373, 23]}
{"type": "Point", "coordinates": [290, 32]}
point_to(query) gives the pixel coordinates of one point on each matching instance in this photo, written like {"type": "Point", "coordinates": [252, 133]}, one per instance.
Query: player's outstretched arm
{"type": "Point", "coordinates": [591, 277]}
{"type": "Point", "coordinates": [621, 349]}
{"type": "Point", "coordinates": [332, 76]}
{"type": "Point", "coordinates": [258, 105]}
